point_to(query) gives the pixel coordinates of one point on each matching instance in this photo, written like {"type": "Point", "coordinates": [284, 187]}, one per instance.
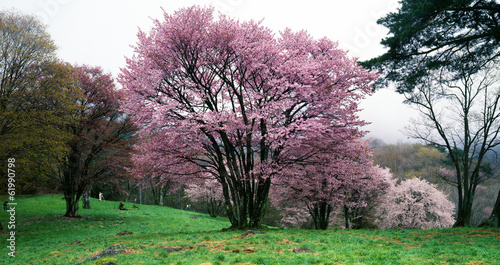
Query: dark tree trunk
{"type": "Point", "coordinates": [162, 195]}
{"type": "Point", "coordinates": [214, 207]}
{"type": "Point", "coordinates": [321, 215]}
{"type": "Point", "coordinates": [464, 212]}
{"type": "Point", "coordinates": [347, 218]}
{"type": "Point", "coordinates": [494, 219]}
{"type": "Point", "coordinates": [258, 206]}
{"type": "Point", "coordinates": [246, 207]}
{"type": "Point", "coordinates": [245, 194]}
{"type": "Point", "coordinates": [463, 217]}
{"type": "Point", "coordinates": [71, 206]}
{"type": "Point", "coordinates": [72, 182]}
{"type": "Point", "coordinates": [86, 200]}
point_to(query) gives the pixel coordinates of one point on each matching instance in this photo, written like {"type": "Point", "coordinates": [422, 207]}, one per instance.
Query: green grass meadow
{"type": "Point", "coordinates": [162, 235]}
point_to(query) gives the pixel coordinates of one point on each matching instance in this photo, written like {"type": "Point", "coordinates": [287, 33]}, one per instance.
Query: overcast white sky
{"type": "Point", "coordinates": [100, 32]}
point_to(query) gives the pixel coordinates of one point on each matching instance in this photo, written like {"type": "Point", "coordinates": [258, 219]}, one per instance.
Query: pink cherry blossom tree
{"type": "Point", "coordinates": [343, 178]}
{"type": "Point", "coordinates": [295, 217]}
{"type": "Point", "coordinates": [369, 193]}
{"type": "Point", "coordinates": [416, 203]}
{"type": "Point", "coordinates": [208, 193]}
{"type": "Point", "coordinates": [234, 100]}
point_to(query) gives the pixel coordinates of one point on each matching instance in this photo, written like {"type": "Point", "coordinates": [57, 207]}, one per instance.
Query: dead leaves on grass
{"type": "Point", "coordinates": [247, 250]}
{"type": "Point", "coordinates": [397, 241]}
{"type": "Point", "coordinates": [124, 232]}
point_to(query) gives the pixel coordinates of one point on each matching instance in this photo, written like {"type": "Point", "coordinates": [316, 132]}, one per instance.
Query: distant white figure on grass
{"type": "Point", "coordinates": [101, 197]}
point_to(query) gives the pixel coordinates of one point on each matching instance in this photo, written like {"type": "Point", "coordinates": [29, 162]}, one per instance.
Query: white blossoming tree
{"type": "Point", "coordinates": [415, 203]}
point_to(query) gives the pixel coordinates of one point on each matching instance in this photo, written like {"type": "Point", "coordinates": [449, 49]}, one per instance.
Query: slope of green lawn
{"type": "Point", "coordinates": [162, 235]}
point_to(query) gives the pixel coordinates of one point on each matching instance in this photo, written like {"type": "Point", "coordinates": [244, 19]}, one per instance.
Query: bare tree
{"type": "Point", "coordinates": [462, 117]}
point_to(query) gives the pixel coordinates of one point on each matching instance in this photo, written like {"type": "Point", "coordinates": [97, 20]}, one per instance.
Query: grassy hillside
{"type": "Point", "coordinates": [161, 235]}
